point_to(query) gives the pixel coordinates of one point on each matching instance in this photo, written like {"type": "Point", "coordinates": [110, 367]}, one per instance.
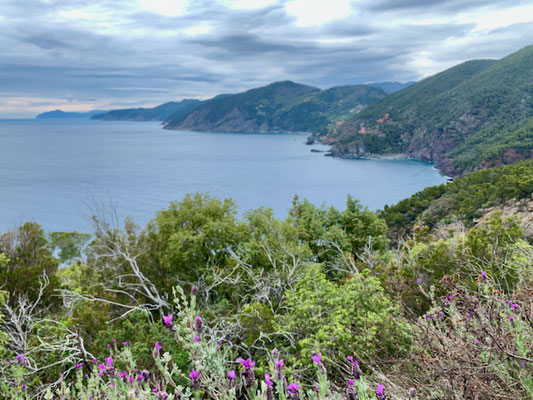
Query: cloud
{"type": "Point", "coordinates": [112, 53]}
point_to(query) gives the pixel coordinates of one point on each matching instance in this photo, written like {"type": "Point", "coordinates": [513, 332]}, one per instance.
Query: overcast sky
{"type": "Point", "coordinates": [104, 54]}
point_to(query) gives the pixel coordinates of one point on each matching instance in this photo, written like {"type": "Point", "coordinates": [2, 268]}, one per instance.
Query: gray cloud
{"type": "Point", "coordinates": [121, 56]}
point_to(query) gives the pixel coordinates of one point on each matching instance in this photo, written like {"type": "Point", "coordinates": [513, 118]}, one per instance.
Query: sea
{"type": "Point", "coordinates": [60, 172]}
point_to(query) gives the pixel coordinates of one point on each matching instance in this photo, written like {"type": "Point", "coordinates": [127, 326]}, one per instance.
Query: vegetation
{"type": "Point", "coordinates": [278, 107]}
{"type": "Point", "coordinates": [441, 117]}
{"type": "Point", "coordinates": [320, 305]}
{"type": "Point", "coordinates": [159, 113]}
{"type": "Point", "coordinates": [461, 199]}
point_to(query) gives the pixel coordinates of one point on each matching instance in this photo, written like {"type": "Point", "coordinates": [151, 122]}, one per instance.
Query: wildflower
{"type": "Point", "coordinates": [196, 338]}
{"type": "Point", "coordinates": [380, 392]}
{"type": "Point", "coordinates": [293, 389]}
{"type": "Point", "coordinates": [270, 387]}
{"type": "Point", "coordinates": [356, 372]}
{"type": "Point", "coordinates": [419, 280]}
{"type": "Point", "coordinates": [79, 365]}
{"type": "Point", "coordinates": [351, 393]}
{"type": "Point", "coordinates": [484, 275]}
{"type": "Point", "coordinates": [155, 352]}
{"type": "Point", "coordinates": [231, 378]}
{"type": "Point", "coordinates": [145, 375]}
{"type": "Point", "coordinates": [194, 290]}
{"type": "Point", "coordinates": [248, 373]}
{"type": "Point", "coordinates": [279, 366]}
{"type": "Point", "coordinates": [109, 361]}
{"type": "Point", "coordinates": [317, 359]}
{"type": "Point", "coordinates": [101, 366]}
{"type": "Point", "coordinates": [511, 319]}
{"type": "Point", "coordinates": [194, 378]}
{"type": "Point", "coordinates": [199, 325]}
{"type": "Point", "coordinates": [412, 393]}
{"type": "Point", "coordinates": [247, 364]}
{"type": "Point", "coordinates": [167, 320]}
{"type": "Point", "coordinates": [161, 395]}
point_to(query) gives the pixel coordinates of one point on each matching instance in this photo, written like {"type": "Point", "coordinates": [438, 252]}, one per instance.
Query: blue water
{"type": "Point", "coordinates": [55, 172]}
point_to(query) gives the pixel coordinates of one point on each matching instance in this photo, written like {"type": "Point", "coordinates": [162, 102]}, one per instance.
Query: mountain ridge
{"type": "Point", "coordinates": [433, 119]}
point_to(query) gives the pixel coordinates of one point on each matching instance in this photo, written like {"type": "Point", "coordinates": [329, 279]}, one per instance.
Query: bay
{"type": "Point", "coordinates": [55, 172]}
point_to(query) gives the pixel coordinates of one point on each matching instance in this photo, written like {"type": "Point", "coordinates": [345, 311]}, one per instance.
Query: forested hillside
{"type": "Point", "coordinates": [159, 113]}
{"type": "Point", "coordinates": [279, 107]}
{"type": "Point", "coordinates": [438, 119]}
{"type": "Point", "coordinates": [203, 304]}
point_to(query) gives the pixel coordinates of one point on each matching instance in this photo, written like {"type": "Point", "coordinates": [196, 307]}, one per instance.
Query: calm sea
{"type": "Point", "coordinates": [55, 172]}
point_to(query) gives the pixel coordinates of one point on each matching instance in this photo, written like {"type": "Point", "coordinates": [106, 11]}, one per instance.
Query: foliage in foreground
{"type": "Point", "coordinates": [437, 318]}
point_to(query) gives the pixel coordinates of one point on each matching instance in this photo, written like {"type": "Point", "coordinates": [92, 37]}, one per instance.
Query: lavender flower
{"type": "Point", "coordinates": [231, 378]}
{"type": "Point", "coordinates": [167, 320]}
{"type": "Point", "coordinates": [356, 371]}
{"type": "Point", "coordinates": [194, 290]}
{"type": "Point", "coordinates": [279, 373]}
{"type": "Point", "coordinates": [380, 392]}
{"type": "Point", "coordinates": [248, 373]}
{"type": "Point", "coordinates": [162, 395]}
{"type": "Point", "coordinates": [317, 359]}
{"type": "Point", "coordinates": [199, 325]}
{"type": "Point", "coordinates": [194, 378]}
{"type": "Point", "coordinates": [293, 389]}
{"type": "Point", "coordinates": [196, 338]}
{"type": "Point", "coordinates": [351, 393]}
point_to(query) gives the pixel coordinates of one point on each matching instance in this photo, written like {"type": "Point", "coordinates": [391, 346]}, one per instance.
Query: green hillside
{"type": "Point", "coordinates": [436, 116]}
{"type": "Point", "coordinates": [278, 107]}
{"type": "Point", "coordinates": [463, 198]}
{"type": "Point", "coordinates": [159, 113]}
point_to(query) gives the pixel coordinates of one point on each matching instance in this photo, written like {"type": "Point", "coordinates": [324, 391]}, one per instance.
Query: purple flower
{"type": "Point", "coordinates": [293, 387]}
{"type": "Point", "coordinates": [350, 358]}
{"type": "Point", "coordinates": [125, 344]}
{"type": "Point", "coordinates": [79, 365]}
{"type": "Point", "coordinates": [247, 364]}
{"type": "Point", "coordinates": [158, 346]}
{"type": "Point", "coordinates": [419, 280]}
{"type": "Point", "coordinates": [317, 359]}
{"type": "Point", "coordinates": [279, 364]}
{"type": "Point", "coordinates": [196, 338]}
{"type": "Point", "coordinates": [484, 275]}
{"type": "Point", "coordinates": [199, 325]}
{"type": "Point", "coordinates": [167, 320]}
{"type": "Point", "coordinates": [268, 381]}
{"type": "Point", "coordinates": [350, 383]}
{"type": "Point", "coordinates": [380, 391]}
{"type": "Point", "coordinates": [194, 375]}
{"type": "Point", "coordinates": [248, 373]}
{"type": "Point", "coordinates": [232, 375]}
{"type": "Point", "coordinates": [109, 360]}
{"type": "Point", "coordinates": [511, 319]}
{"type": "Point", "coordinates": [101, 366]}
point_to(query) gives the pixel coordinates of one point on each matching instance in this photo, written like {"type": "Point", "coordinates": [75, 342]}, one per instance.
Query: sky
{"type": "Point", "coordinates": [79, 55]}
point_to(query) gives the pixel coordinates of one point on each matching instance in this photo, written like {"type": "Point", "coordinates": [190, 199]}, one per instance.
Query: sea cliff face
{"type": "Point", "coordinates": [474, 115]}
